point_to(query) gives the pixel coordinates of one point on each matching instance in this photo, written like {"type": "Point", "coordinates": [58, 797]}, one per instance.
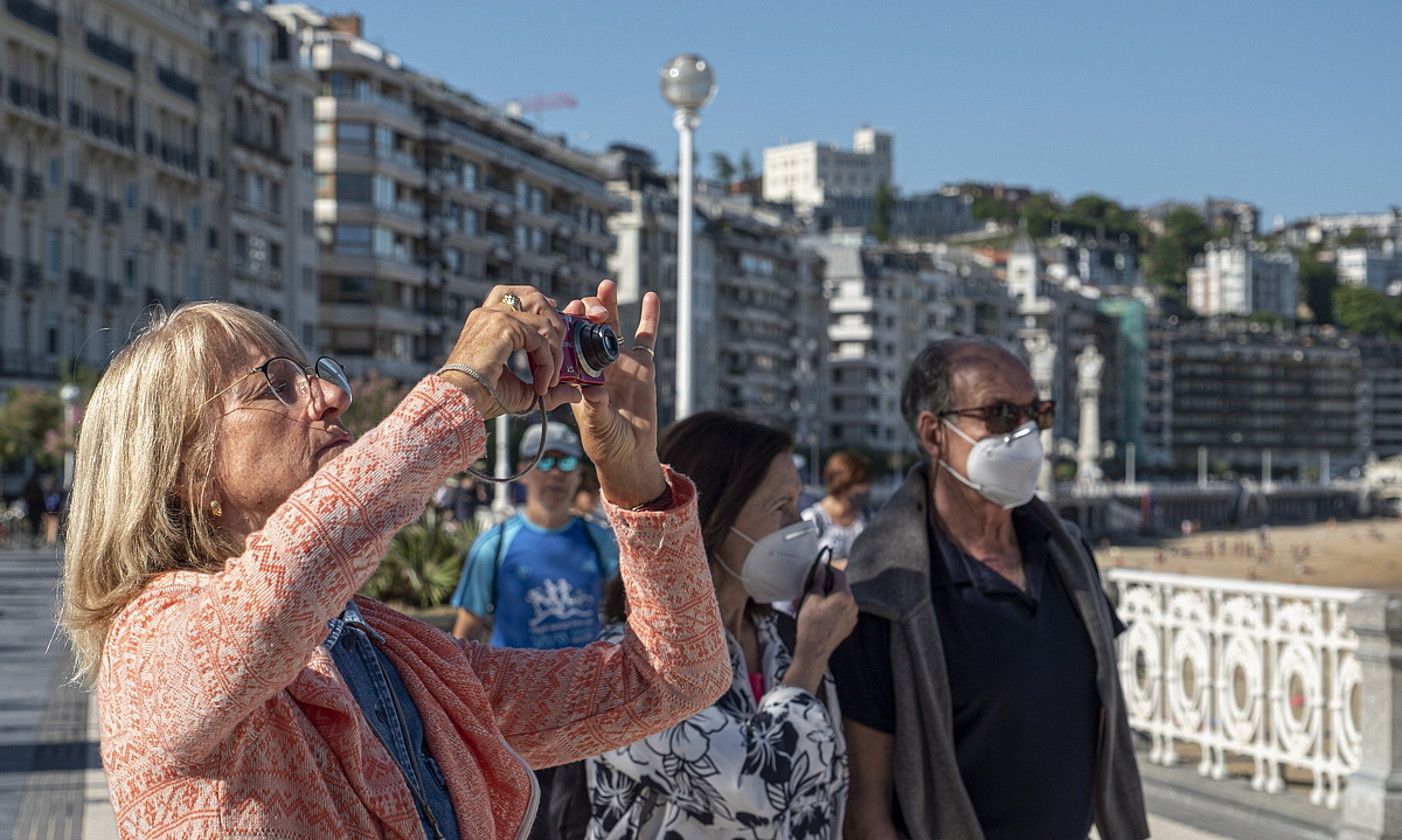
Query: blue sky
{"type": "Point", "coordinates": [1292, 105]}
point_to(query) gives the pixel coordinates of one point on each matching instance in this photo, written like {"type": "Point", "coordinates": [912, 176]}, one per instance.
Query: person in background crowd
{"type": "Point", "coordinates": [841, 514]}
{"type": "Point", "coordinates": [588, 503]}
{"type": "Point", "coordinates": [768, 759]}
{"type": "Point", "coordinates": [537, 579]}
{"type": "Point", "coordinates": [53, 509]}
{"type": "Point", "coordinates": [244, 690]}
{"type": "Point", "coordinates": [982, 674]}
{"type": "Point", "coordinates": [34, 504]}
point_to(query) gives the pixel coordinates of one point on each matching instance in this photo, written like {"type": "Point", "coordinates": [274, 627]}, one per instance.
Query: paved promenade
{"type": "Point", "coordinates": [51, 781]}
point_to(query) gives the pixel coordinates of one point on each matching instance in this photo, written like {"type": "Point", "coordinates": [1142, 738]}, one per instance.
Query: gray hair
{"type": "Point", "coordinates": [927, 383]}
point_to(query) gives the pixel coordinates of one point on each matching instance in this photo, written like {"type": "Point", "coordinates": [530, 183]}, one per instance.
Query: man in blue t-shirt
{"type": "Point", "coordinates": [537, 579]}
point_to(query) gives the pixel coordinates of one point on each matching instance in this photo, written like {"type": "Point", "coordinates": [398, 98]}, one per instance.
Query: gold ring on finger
{"type": "Point", "coordinates": [512, 301]}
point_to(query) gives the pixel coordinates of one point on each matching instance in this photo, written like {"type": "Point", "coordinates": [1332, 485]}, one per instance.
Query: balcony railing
{"type": "Point", "coordinates": [27, 364]}
{"type": "Point", "coordinates": [31, 276]}
{"type": "Point", "coordinates": [34, 98]}
{"type": "Point", "coordinates": [178, 84]}
{"type": "Point", "coordinates": [113, 131]}
{"type": "Point", "coordinates": [34, 15]}
{"type": "Point", "coordinates": [1264, 671]}
{"type": "Point", "coordinates": [105, 48]}
{"type": "Point", "coordinates": [81, 283]}
{"type": "Point", "coordinates": [81, 199]}
{"type": "Point", "coordinates": [33, 186]}
{"type": "Point", "coordinates": [178, 157]}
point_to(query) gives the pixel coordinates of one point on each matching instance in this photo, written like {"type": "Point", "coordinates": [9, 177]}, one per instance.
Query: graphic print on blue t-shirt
{"type": "Point", "coordinates": [541, 587]}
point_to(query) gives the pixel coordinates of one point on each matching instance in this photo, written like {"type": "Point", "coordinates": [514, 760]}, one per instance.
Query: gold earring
{"type": "Point", "coordinates": [216, 509]}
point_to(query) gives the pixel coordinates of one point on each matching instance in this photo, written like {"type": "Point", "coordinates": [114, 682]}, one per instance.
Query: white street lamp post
{"type": "Point", "coordinates": [70, 394]}
{"type": "Point", "coordinates": [688, 83]}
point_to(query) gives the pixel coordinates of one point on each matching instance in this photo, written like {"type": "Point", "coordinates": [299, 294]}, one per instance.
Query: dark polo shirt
{"type": "Point", "coordinates": [1022, 681]}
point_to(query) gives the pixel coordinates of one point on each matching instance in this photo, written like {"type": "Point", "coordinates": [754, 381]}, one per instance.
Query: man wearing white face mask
{"type": "Point", "coordinates": [982, 673]}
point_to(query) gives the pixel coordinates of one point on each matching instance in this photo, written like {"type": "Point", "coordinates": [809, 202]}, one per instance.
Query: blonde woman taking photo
{"type": "Point", "coordinates": [222, 520]}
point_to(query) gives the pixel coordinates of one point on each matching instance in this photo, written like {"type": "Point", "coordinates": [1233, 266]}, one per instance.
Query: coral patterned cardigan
{"type": "Point", "coordinates": [222, 715]}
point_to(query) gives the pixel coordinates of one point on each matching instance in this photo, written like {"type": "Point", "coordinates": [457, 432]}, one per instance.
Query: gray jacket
{"type": "Point", "coordinates": [890, 576]}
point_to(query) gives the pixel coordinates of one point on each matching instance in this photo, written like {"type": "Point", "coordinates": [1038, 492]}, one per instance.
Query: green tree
{"type": "Point", "coordinates": [1318, 280]}
{"type": "Point", "coordinates": [883, 202]}
{"type": "Point", "coordinates": [1357, 236]}
{"type": "Point", "coordinates": [724, 168]}
{"type": "Point", "coordinates": [1168, 257]}
{"type": "Point", "coordinates": [1368, 312]}
{"type": "Point", "coordinates": [747, 166]}
{"type": "Point", "coordinates": [423, 563]}
{"type": "Point", "coordinates": [29, 419]}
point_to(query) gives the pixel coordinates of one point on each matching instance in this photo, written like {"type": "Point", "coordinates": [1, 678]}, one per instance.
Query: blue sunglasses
{"type": "Point", "coordinates": [566, 463]}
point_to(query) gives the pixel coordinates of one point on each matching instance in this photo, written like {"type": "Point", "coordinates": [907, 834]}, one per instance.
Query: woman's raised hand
{"type": "Point", "coordinates": [495, 331]}
{"type": "Point", "coordinates": [618, 421]}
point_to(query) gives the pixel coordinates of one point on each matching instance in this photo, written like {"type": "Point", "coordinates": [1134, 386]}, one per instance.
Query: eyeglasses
{"type": "Point", "coordinates": [1004, 417]}
{"type": "Point", "coordinates": [565, 463]}
{"type": "Point", "coordinates": [291, 382]}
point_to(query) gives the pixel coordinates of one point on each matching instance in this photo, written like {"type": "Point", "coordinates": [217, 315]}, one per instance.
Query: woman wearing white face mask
{"type": "Point", "coordinates": [768, 759]}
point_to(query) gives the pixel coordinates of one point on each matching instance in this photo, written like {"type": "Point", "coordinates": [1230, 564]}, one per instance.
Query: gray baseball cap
{"type": "Point", "coordinates": [558, 438]}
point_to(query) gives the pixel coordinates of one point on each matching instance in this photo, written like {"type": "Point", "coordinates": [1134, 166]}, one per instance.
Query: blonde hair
{"type": "Point", "coordinates": [142, 480]}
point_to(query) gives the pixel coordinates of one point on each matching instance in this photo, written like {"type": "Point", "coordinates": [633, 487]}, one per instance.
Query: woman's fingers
{"type": "Point", "coordinates": [608, 297]}
{"type": "Point", "coordinates": [649, 321]}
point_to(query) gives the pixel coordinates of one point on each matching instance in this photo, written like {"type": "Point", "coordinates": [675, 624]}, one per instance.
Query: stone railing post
{"type": "Point", "coordinates": [1372, 802]}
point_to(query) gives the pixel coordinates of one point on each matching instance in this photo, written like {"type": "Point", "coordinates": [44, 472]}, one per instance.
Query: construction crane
{"type": "Point", "coordinates": [539, 104]}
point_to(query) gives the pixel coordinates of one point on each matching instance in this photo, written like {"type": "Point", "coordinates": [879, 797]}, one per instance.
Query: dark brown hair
{"type": "Point", "coordinates": [726, 455]}
{"type": "Point", "coordinates": [844, 470]}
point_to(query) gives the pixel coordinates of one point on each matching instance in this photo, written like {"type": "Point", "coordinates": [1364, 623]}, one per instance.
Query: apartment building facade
{"type": "Point", "coordinates": [758, 314]}
{"type": "Point", "coordinates": [1239, 389]}
{"type": "Point", "coordinates": [884, 305]}
{"type": "Point", "coordinates": [426, 198]}
{"type": "Point", "coordinates": [114, 174]}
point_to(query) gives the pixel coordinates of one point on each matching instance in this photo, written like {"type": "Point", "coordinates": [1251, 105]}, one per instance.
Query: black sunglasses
{"type": "Point", "coordinates": [1005, 417]}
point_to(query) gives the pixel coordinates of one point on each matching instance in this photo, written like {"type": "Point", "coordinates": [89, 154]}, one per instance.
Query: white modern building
{"type": "Point", "coordinates": [809, 174]}
{"type": "Point", "coordinates": [1369, 268]}
{"type": "Point", "coordinates": [1241, 279]}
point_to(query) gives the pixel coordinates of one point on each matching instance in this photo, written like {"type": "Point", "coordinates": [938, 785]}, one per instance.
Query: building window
{"type": "Point", "coordinates": [54, 173]}
{"type": "Point", "coordinates": [53, 253]}
{"type": "Point", "coordinates": [384, 191]}
{"type": "Point", "coordinates": [255, 56]}
{"type": "Point", "coordinates": [352, 239]}
{"type": "Point", "coordinates": [469, 176]}
{"type": "Point", "coordinates": [308, 279]}
{"type": "Point", "coordinates": [353, 138]}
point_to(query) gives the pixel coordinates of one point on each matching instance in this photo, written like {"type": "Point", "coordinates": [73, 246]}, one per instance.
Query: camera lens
{"type": "Point", "coordinates": [597, 345]}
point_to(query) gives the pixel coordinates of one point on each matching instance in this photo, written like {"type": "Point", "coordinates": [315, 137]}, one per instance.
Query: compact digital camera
{"type": "Point", "coordinates": [589, 348]}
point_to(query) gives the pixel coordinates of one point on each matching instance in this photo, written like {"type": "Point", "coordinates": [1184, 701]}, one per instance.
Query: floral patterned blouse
{"type": "Point", "coordinates": [742, 769]}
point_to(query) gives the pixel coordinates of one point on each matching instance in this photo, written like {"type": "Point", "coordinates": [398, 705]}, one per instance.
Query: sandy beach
{"type": "Point", "coordinates": [1364, 553]}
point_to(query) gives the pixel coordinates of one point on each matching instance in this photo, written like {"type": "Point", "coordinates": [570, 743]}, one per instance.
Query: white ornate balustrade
{"type": "Point", "coordinates": [1266, 671]}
